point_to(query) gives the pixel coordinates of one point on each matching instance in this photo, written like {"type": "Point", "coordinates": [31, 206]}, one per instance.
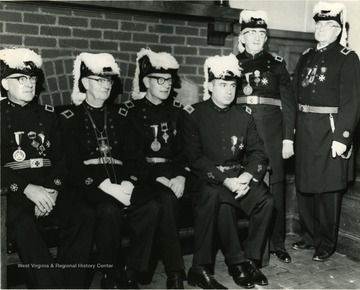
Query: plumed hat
{"type": "Point", "coordinates": [87, 64]}
{"type": "Point", "coordinates": [332, 11]}
{"type": "Point", "coordinates": [148, 62]}
{"type": "Point", "coordinates": [251, 19]}
{"type": "Point", "coordinates": [220, 67]}
{"type": "Point", "coordinates": [24, 61]}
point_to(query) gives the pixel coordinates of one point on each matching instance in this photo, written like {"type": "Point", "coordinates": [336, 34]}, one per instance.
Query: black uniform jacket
{"type": "Point", "coordinates": [329, 77]}
{"type": "Point", "coordinates": [268, 77]}
{"type": "Point", "coordinates": [82, 145]}
{"type": "Point", "coordinates": [41, 141]}
{"type": "Point", "coordinates": [222, 137]}
{"type": "Point", "coordinates": [144, 122]}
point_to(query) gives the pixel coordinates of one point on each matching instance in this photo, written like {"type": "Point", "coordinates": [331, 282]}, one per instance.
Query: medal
{"type": "Point", "coordinates": [155, 145]}
{"type": "Point", "coordinates": [164, 128]}
{"type": "Point", "coordinates": [41, 148]}
{"type": "Point", "coordinates": [19, 155]}
{"type": "Point", "coordinates": [305, 82]}
{"type": "Point", "coordinates": [313, 74]}
{"type": "Point", "coordinates": [257, 77]}
{"type": "Point", "coordinates": [241, 143]}
{"type": "Point", "coordinates": [247, 90]}
{"type": "Point", "coordinates": [233, 143]}
{"type": "Point", "coordinates": [32, 135]}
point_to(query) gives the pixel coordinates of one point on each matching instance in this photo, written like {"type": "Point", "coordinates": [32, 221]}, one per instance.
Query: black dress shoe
{"type": "Point", "coordinates": [108, 282]}
{"type": "Point", "coordinates": [257, 276]}
{"type": "Point", "coordinates": [241, 276]}
{"type": "Point", "coordinates": [301, 245]}
{"type": "Point", "coordinates": [283, 256]}
{"type": "Point", "coordinates": [203, 280]}
{"type": "Point", "coordinates": [321, 256]}
{"type": "Point", "coordinates": [175, 280]}
{"type": "Point", "coordinates": [129, 280]}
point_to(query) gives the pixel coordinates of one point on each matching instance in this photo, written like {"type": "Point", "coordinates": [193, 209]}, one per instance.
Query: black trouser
{"type": "Point", "coordinates": [319, 215]}
{"type": "Point", "coordinates": [75, 244]}
{"type": "Point", "coordinates": [278, 225]}
{"type": "Point", "coordinates": [111, 226]}
{"type": "Point", "coordinates": [168, 233]}
{"type": "Point", "coordinates": [258, 206]}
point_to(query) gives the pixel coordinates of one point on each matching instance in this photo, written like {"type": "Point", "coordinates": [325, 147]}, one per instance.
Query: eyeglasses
{"type": "Point", "coordinates": [23, 79]}
{"type": "Point", "coordinates": [103, 82]}
{"type": "Point", "coordinates": [261, 34]}
{"type": "Point", "coordinates": [325, 25]}
{"type": "Point", "coordinates": [161, 80]}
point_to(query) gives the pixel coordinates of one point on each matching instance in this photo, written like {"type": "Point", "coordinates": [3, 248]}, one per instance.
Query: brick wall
{"type": "Point", "coordinates": [60, 33]}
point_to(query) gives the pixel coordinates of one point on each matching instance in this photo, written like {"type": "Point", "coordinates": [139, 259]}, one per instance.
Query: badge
{"type": "Point", "coordinates": [233, 143]}
{"type": "Point", "coordinates": [247, 90]}
{"type": "Point", "coordinates": [241, 143]}
{"type": "Point", "coordinates": [19, 155]}
{"type": "Point", "coordinates": [164, 128]}
{"type": "Point", "coordinates": [305, 82]}
{"type": "Point", "coordinates": [155, 145]}
{"type": "Point", "coordinates": [104, 148]}
{"type": "Point", "coordinates": [257, 77]}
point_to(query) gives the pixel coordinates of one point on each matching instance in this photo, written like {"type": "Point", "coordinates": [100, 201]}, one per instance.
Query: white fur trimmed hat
{"type": "Point", "coordinates": [86, 64]}
{"type": "Point", "coordinates": [148, 62]}
{"type": "Point", "coordinates": [24, 61]}
{"type": "Point", "coordinates": [251, 19]}
{"type": "Point", "coordinates": [220, 67]}
{"type": "Point", "coordinates": [19, 60]}
{"type": "Point", "coordinates": [332, 11]}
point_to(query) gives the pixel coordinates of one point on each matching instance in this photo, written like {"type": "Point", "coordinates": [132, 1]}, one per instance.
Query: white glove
{"type": "Point", "coordinates": [233, 184]}
{"type": "Point", "coordinates": [177, 185]}
{"type": "Point", "coordinates": [287, 149]}
{"type": "Point", "coordinates": [337, 148]}
{"type": "Point", "coordinates": [163, 180]}
{"type": "Point", "coordinates": [120, 192]}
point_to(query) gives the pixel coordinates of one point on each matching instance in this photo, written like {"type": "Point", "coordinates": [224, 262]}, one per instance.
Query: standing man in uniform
{"type": "Point", "coordinates": [152, 122]}
{"type": "Point", "coordinates": [33, 170]}
{"type": "Point", "coordinates": [94, 137]}
{"type": "Point", "coordinates": [327, 90]}
{"type": "Point", "coordinates": [266, 92]}
{"type": "Point", "coordinates": [217, 136]}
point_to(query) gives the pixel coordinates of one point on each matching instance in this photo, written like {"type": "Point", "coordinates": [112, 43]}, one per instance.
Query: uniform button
{"type": "Point", "coordinates": [145, 117]}
{"type": "Point", "coordinates": [88, 141]}
{"type": "Point", "coordinates": [314, 83]}
{"type": "Point", "coordinates": [313, 91]}
{"type": "Point", "coordinates": [112, 126]}
{"type": "Point", "coordinates": [40, 124]}
{"type": "Point", "coordinates": [224, 147]}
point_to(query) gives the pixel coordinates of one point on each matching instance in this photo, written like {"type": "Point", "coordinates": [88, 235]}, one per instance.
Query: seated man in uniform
{"type": "Point", "coordinates": [94, 130]}
{"type": "Point", "coordinates": [34, 170]}
{"type": "Point", "coordinates": [217, 136]}
{"type": "Point", "coordinates": [152, 135]}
